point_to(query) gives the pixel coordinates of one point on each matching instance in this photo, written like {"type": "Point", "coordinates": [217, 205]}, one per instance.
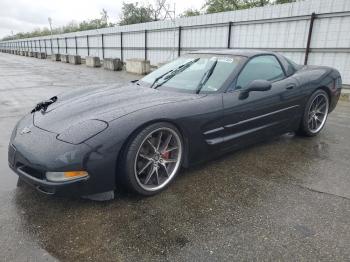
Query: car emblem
{"type": "Point", "coordinates": [25, 130]}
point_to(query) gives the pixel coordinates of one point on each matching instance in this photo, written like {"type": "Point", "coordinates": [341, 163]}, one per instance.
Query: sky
{"type": "Point", "coordinates": [26, 15]}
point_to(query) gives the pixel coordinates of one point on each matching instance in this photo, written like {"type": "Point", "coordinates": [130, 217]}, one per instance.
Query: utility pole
{"type": "Point", "coordinates": [50, 23]}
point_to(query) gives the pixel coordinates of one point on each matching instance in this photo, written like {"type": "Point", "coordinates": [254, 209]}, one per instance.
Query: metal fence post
{"type": "Point", "coordinates": [179, 43]}
{"type": "Point", "coordinates": [51, 46]}
{"type": "Point", "coordinates": [308, 43]}
{"type": "Point", "coordinates": [40, 45]}
{"type": "Point", "coordinates": [58, 46]}
{"type": "Point", "coordinates": [87, 45]}
{"type": "Point", "coordinates": [121, 47]}
{"type": "Point", "coordinates": [65, 41]}
{"type": "Point", "coordinates": [145, 45]}
{"type": "Point", "coordinates": [103, 46]}
{"type": "Point", "coordinates": [76, 45]}
{"type": "Point", "coordinates": [229, 35]}
{"type": "Point", "coordinates": [45, 46]}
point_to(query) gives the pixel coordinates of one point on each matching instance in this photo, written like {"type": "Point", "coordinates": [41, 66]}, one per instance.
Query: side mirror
{"type": "Point", "coordinates": [255, 85]}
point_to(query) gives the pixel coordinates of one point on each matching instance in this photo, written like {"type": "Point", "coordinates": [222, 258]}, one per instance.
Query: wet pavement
{"type": "Point", "coordinates": [285, 199]}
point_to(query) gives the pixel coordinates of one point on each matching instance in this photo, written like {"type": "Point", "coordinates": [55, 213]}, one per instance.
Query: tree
{"type": "Point", "coordinates": [104, 17]}
{"type": "Point", "coordinates": [215, 6]}
{"type": "Point", "coordinates": [158, 9]}
{"type": "Point", "coordinates": [190, 12]}
{"type": "Point", "coordinates": [283, 1]}
{"type": "Point", "coordinates": [133, 14]}
{"type": "Point", "coordinates": [72, 26]}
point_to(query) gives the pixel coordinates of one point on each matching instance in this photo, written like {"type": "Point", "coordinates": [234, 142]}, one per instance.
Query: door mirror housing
{"type": "Point", "coordinates": [258, 85]}
{"type": "Point", "coordinates": [255, 85]}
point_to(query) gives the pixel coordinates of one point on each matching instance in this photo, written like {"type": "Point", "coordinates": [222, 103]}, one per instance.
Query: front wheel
{"type": "Point", "coordinates": [152, 159]}
{"type": "Point", "coordinates": [315, 115]}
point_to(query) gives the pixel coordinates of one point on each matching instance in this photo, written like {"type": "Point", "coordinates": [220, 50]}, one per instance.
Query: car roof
{"type": "Point", "coordinates": [240, 52]}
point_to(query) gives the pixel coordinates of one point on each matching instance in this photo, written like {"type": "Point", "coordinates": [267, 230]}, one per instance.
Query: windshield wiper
{"type": "Point", "coordinates": [159, 77]}
{"type": "Point", "coordinates": [206, 76]}
{"type": "Point", "coordinates": [176, 71]}
{"type": "Point", "coordinates": [44, 104]}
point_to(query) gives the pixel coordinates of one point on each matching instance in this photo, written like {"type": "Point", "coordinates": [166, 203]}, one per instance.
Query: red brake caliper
{"type": "Point", "coordinates": [165, 155]}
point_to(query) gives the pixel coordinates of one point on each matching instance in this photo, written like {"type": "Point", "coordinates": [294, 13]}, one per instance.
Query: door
{"type": "Point", "coordinates": [262, 113]}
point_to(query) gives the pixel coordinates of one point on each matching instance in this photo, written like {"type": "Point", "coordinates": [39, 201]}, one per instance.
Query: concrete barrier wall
{"type": "Point", "coordinates": [283, 28]}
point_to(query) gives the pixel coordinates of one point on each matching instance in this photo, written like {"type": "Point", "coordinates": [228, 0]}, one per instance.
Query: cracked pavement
{"type": "Point", "coordinates": [285, 199]}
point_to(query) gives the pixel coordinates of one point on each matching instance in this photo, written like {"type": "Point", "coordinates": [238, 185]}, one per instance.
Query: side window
{"type": "Point", "coordinates": [265, 67]}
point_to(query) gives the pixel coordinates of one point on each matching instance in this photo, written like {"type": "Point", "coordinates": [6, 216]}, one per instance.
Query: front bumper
{"type": "Point", "coordinates": [32, 154]}
{"type": "Point", "coordinates": [68, 188]}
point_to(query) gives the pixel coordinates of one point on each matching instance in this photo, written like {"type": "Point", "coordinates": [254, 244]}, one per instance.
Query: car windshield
{"type": "Point", "coordinates": [194, 73]}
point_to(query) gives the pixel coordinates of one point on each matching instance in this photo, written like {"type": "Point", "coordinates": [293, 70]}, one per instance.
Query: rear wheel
{"type": "Point", "coordinates": [315, 115]}
{"type": "Point", "coordinates": [152, 159]}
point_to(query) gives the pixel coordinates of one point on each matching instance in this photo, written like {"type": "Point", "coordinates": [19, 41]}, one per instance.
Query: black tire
{"type": "Point", "coordinates": [305, 129]}
{"type": "Point", "coordinates": [128, 163]}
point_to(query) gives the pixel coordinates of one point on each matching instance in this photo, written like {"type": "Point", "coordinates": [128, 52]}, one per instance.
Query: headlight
{"type": "Point", "coordinates": [65, 176]}
{"type": "Point", "coordinates": [82, 131]}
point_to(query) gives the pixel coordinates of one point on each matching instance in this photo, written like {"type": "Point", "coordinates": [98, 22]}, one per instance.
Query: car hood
{"type": "Point", "coordinates": [106, 104]}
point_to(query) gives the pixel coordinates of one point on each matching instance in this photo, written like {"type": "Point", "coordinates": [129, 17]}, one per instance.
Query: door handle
{"type": "Point", "coordinates": [290, 87]}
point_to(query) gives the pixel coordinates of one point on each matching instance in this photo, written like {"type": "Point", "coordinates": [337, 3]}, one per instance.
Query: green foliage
{"type": "Point", "coordinates": [283, 1]}
{"type": "Point", "coordinates": [70, 27]}
{"type": "Point", "coordinates": [190, 12]}
{"type": "Point", "coordinates": [134, 14]}
{"type": "Point", "coordinates": [216, 6]}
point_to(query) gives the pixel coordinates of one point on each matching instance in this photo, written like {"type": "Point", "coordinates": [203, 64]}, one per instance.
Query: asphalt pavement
{"type": "Point", "coordinates": [285, 199]}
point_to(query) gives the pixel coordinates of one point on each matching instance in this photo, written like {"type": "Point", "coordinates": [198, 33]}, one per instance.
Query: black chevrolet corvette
{"type": "Point", "coordinates": [197, 107]}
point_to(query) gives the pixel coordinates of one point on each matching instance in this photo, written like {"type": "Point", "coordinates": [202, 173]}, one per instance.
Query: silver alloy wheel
{"type": "Point", "coordinates": [158, 159]}
{"type": "Point", "coordinates": [318, 113]}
